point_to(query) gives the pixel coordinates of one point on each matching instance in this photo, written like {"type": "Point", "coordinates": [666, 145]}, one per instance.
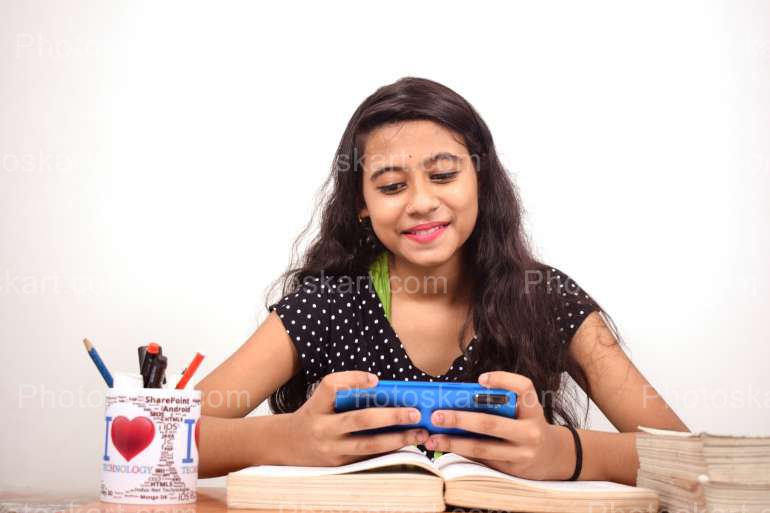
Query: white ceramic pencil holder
{"type": "Point", "coordinates": [150, 451]}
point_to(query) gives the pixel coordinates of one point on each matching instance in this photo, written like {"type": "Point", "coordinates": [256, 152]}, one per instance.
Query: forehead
{"type": "Point", "coordinates": [409, 142]}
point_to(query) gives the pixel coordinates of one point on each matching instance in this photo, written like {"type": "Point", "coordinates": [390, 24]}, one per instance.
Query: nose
{"type": "Point", "coordinates": [423, 198]}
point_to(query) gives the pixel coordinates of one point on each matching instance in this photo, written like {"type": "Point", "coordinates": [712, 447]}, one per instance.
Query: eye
{"type": "Point", "coordinates": [390, 188]}
{"type": "Point", "coordinates": [444, 176]}
{"type": "Point", "coordinates": [394, 188]}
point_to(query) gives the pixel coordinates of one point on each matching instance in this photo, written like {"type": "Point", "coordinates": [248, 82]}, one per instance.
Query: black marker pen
{"type": "Point", "coordinates": [157, 372]}
{"type": "Point", "coordinates": [151, 354]}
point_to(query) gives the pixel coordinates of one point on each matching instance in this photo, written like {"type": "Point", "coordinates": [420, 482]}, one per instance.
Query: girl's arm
{"type": "Point", "coordinates": [314, 435]}
{"type": "Point", "coordinates": [227, 445]}
{"type": "Point", "coordinates": [228, 441]}
{"type": "Point", "coordinates": [624, 396]}
{"type": "Point", "coordinates": [532, 448]}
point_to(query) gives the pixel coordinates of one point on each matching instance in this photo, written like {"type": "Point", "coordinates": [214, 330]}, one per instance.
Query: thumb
{"type": "Point", "coordinates": [527, 403]}
{"type": "Point", "coordinates": [322, 400]}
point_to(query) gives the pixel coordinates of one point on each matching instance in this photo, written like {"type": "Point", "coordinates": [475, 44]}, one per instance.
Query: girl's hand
{"type": "Point", "coordinates": [320, 437]}
{"type": "Point", "coordinates": [531, 447]}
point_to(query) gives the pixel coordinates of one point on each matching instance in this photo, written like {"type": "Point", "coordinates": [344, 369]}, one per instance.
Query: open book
{"type": "Point", "coordinates": [407, 480]}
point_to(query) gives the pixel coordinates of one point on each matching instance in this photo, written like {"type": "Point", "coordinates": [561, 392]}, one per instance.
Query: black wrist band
{"type": "Point", "coordinates": [578, 454]}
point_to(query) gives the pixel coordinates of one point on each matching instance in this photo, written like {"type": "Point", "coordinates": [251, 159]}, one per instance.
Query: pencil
{"type": "Point", "coordinates": [98, 362]}
{"type": "Point", "coordinates": [190, 371]}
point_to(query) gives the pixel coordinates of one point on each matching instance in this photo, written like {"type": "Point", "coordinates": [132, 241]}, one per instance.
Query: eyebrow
{"type": "Point", "coordinates": [444, 155]}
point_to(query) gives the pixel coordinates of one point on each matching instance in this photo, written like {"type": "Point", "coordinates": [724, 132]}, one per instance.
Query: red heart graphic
{"type": "Point", "coordinates": [130, 437]}
{"type": "Point", "coordinates": [197, 433]}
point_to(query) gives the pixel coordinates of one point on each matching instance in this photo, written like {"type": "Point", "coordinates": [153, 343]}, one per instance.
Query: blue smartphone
{"type": "Point", "coordinates": [428, 396]}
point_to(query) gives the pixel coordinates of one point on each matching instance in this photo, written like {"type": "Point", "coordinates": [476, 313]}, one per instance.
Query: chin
{"type": "Point", "coordinates": [429, 256]}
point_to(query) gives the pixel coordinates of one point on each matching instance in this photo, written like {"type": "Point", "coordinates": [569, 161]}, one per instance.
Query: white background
{"type": "Point", "coordinates": [158, 160]}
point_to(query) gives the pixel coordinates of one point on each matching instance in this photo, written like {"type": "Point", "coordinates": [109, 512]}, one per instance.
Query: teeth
{"type": "Point", "coordinates": [426, 232]}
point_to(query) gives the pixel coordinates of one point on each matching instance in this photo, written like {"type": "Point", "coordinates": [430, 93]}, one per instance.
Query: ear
{"type": "Point", "coordinates": [364, 212]}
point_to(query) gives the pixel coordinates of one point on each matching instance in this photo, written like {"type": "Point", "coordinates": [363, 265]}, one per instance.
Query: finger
{"type": "Point", "coordinates": [370, 418]}
{"type": "Point", "coordinates": [477, 422]}
{"type": "Point", "coordinates": [527, 403]}
{"type": "Point", "coordinates": [322, 400]}
{"type": "Point", "coordinates": [478, 449]}
{"type": "Point", "coordinates": [380, 443]}
{"type": "Point", "coordinates": [513, 430]}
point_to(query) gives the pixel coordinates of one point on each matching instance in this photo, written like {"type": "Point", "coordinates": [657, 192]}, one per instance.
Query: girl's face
{"type": "Point", "coordinates": [414, 173]}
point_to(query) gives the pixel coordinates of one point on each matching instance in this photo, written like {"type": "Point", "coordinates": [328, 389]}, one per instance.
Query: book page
{"type": "Point", "coordinates": [737, 435]}
{"type": "Point", "coordinates": [407, 455]}
{"type": "Point", "coordinates": [666, 432]}
{"type": "Point", "coordinates": [454, 466]}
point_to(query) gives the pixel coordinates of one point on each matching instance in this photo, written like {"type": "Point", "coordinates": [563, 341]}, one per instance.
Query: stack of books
{"type": "Point", "coordinates": [705, 473]}
{"type": "Point", "coordinates": [407, 480]}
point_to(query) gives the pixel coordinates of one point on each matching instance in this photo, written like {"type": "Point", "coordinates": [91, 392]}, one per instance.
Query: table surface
{"type": "Point", "coordinates": [210, 500]}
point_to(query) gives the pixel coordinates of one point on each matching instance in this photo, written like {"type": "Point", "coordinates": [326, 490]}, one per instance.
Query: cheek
{"type": "Point", "coordinates": [464, 204]}
{"type": "Point", "coordinates": [387, 211]}
{"type": "Point", "coordinates": [464, 198]}
{"type": "Point", "coordinates": [468, 216]}
{"type": "Point", "coordinates": [378, 204]}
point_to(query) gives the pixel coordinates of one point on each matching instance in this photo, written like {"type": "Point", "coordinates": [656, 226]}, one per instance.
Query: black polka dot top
{"type": "Point", "coordinates": [338, 324]}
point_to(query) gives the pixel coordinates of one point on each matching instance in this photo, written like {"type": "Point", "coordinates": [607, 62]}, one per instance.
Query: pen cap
{"type": "Point", "coordinates": [157, 372]}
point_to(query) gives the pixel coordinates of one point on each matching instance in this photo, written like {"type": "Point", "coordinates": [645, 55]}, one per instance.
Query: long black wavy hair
{"type": "Point", "coordinates": [514, 320]}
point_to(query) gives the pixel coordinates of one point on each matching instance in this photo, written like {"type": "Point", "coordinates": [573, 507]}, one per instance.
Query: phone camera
{"type": "Point", "coordinates": [490, 399]}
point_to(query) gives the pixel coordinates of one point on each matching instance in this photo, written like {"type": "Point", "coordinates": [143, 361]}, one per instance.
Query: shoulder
{"type": "Point", "coordinates": [571, 303]}
{"type": "Point", "coordinates": [310, 311]}
{"type": "Point", "coordinates": [318, 313]}
{"type": "Point", "coordinates": [323, 289]}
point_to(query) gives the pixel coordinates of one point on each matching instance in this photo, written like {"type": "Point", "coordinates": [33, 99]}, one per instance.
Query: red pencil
{"type": "Point", "coordinates": [190, 371]}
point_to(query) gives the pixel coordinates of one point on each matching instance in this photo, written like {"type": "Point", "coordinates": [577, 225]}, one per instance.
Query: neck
{"type": "Point", "coordinates": [446, 282]}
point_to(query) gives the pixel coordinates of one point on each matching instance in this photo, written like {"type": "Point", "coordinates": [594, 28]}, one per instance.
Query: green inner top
{"type": "Point", "coordinates": [381, 281]}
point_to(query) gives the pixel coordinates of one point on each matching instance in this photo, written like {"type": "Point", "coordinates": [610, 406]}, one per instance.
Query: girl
{"type": "Point", "coordinates": [422, 271]}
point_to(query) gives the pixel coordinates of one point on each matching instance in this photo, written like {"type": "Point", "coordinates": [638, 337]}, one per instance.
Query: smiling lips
{"type": "Point", "coordinates": [425, 233]}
